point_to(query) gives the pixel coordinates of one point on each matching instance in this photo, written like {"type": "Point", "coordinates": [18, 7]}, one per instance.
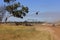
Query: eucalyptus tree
{"type": "Point", "coordinates": [2, 11]}
{"type": "Point", "coordinates": [15, 9]}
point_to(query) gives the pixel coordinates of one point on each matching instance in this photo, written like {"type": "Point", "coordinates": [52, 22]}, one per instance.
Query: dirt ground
{"type": "Point", "coordinates": [55, 31]}
{"type": "Point", "coordinates": [12, 32]}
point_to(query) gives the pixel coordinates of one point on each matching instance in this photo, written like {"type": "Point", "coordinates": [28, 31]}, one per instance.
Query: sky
{"type": "Point", "coordinates": [49, 10]}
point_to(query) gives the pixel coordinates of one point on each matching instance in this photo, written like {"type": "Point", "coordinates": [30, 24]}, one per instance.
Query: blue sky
{"type": "Point", "coordinates": [49, 9]}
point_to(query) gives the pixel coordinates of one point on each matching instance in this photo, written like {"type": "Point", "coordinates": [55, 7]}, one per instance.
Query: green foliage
{"type": "Point", "coordinates": [7, 1]}
{"type": "Point", "coordinates": [10, 8]}
{"type": "Point", "coordinates": [25, 9]}
{"type": "Point", "coordinates": [13, 9]}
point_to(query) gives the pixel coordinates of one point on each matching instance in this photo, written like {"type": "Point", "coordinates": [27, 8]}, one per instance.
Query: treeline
{"type": "Point", "coordinates": [22, 23]}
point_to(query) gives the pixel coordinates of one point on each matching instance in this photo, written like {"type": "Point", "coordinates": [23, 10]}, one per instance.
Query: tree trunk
{"type": "Point", "coordinates": [7, 18]}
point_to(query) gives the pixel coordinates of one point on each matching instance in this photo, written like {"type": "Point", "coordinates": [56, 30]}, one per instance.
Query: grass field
{"type": "Point", "coordinates": [9, 32]}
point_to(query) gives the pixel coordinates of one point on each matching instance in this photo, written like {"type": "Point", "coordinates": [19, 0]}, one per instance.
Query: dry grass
{"type": "Point", "coordinates": [8, 32]}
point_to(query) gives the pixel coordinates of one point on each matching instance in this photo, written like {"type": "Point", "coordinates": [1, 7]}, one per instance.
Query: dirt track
{"type": "Point", "coordinates": [55, 31]}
